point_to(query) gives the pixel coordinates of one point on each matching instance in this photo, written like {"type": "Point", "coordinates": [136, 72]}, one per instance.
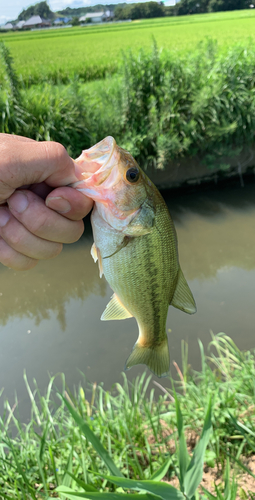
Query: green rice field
{"type": "Point", "coordinates": [92, 52]}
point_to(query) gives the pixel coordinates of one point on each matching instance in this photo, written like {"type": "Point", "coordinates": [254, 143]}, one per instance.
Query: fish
{"type": "Point", "coordinates": [135, 245]}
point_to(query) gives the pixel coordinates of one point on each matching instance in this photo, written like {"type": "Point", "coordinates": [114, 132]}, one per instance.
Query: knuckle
{"type": "Point", "coordinates": [14, 238]}
{"type": "Point", "coordinates": [14, 260]}
{"type": "Point", "coordinates": [40, 223]}
{"type": "Point", "coordinates": [80, 229]}
{"type": "Point", "coordinates": [25, 264]}
{"type": "Point", "coordinates": [54, 150]}
{"type": "Point", "coordinates": [56, 249]}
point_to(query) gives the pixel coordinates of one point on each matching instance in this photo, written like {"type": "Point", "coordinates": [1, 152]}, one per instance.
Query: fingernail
{"type": "Point", "coordinates": [18, 201]}
{"type": "Point", "coordinates": [4, 217]}
{"type": "Point", "coordinates": [58, 204]}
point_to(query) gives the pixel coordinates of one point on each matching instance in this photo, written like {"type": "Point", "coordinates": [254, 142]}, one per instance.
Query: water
{"type": "Point", "coordinates": [50, 316]}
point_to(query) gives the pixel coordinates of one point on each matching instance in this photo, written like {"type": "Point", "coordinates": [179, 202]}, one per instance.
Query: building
{"type": "Point", "coordinates": [95, 17]}
{"type": "Point", "coordinates": [19, 25]}
{"type": "Point", "coordinates": [61, 20]}
{"type": "Point", "coordinates": [109, 14]}
{"type": "Point", "coordinates": [36, 22]}
{"type": "Point", "coordinates": [7, 26]}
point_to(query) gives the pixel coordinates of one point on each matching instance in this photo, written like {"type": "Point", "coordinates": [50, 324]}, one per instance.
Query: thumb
{"type": "Point", "coordinates": [25, 162]}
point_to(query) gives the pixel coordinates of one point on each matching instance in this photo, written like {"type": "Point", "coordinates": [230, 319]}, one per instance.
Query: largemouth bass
{"type": "Point", "coordinates": [135, 245]}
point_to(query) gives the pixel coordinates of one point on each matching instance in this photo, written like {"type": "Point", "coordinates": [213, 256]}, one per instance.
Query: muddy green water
{"type": "Point", "coordinates": [50, 316]}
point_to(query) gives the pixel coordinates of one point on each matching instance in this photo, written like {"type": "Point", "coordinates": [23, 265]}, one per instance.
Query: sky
{"type": "Point", "coordinates": [9, 10]}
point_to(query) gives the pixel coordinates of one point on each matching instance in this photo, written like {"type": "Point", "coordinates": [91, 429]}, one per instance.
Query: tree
{"type": "Point", "coordinates": [40, 9]}
{"type": "Point", "coordinates": [154, 9]}
{"type": "Point", "coordinates": [75, 21]}
{"type": "Point", "coordinates": [217, 5]}
{"type": "Point", "coordinates": [198, 6]}
{"type": "Point", "coordinates": [122, 12]}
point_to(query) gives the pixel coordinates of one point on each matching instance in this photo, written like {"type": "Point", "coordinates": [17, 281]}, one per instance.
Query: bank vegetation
{"type": "Point", "coordinates": [197, 435]}
{"type": "Point", "coordinates": [161, 105]}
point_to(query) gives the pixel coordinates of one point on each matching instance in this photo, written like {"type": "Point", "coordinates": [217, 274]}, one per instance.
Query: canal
{"type": "Point", "coordinates": [50, 315]}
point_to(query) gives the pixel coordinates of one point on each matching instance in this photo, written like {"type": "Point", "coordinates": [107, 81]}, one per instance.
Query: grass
{"type": "Point", "coordinates": [137, 430]}
{"type": "Point", "coordinates": [161, 106]}
{"type": "Point", "coordinates": [96, 51]}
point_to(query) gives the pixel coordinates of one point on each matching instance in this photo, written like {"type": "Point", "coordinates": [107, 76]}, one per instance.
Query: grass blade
{"type": "Point", "coordinates": [89, 434]}
{"type": "Point", "coordinates": [67, 479]}
{"type": "Point", "coordinates": [162, 471]}
{"type": "Point", "coordinates": [20, 470]}
{"type": "Point", "coordinates": [162, 490]}
{"type": "Point", "coordinates": [82, 484]}
{"type": "Point", "coordinates": [184, 459]}
{"type": "Point", "coordinates": [243, 429]}
{"type": "Point", "coordinates": [72, 495]}
{"type": "Point", "coordinates": [194, 472]}
{"type": "Point", "coordinates": [53, 465]}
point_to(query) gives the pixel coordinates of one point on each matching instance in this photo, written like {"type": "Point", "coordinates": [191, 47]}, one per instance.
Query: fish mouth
{"type": "Point", "coordinates": [97, 162]}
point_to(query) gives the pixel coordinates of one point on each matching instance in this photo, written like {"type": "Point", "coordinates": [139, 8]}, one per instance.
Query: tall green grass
{"type": "Point", "coordinates": [47, 113]}
{"type": "Point", "coordinates": [201, 104]}
{"type": "Point", "coordinates": [162, 106]}
{"type": "Point", "coordinates": [131, 432]}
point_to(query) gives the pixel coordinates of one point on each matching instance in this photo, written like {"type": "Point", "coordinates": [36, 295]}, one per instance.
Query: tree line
{"type": "Point", "coordinates": [202, 6]}
{"type": "Point", "coordinates": [155, 9]}
{"type": "Point", "coordinates": [142, 10]}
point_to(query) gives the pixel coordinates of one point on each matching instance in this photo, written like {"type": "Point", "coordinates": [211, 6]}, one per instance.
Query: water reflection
{"type": "Point", "coordinates": [48, 287]}
{"type": "Point", "coordinates": [215, 230]}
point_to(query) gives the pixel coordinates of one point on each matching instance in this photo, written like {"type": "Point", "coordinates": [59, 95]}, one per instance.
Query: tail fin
{"type": "Point", "coordinates": [155, 357]}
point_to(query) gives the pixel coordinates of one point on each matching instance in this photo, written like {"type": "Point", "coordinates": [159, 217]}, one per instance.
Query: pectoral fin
{"type": "Point", "coordinates": [93, 252]}
{"type": "Point", "coordinates": [123, 244]}
{"type": "Point", "coordinates": [115, 310]}
{"type": "Point", "coordinates": [96, 256]}
{"type": "Point", "coordinates": [183, 298]}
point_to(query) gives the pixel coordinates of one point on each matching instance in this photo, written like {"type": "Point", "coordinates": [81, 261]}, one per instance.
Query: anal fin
{"type": "Point", "coordinates": [183, 298]}
{"type": "Point", "coordinates": [115, 310]}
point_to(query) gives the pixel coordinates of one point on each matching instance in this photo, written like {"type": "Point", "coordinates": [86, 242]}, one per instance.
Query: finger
{"type": "Point", "coordinates": [14, 260]}
{"type": "Point", "coordinates": [31, 211]}
{"type": "Point", "coordinates": [35, 162]}
{"type": "Point", "coordinates": [69, 202]}
{"type": "Point", "coordinates": [41, 189]}
{"type": "Point", "coordinates": [13, 138]}
{"type": "Point", "coordinates": [20, 239]}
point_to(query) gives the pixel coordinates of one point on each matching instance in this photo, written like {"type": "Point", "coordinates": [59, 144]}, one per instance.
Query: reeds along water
{"type": "Point", "coordinates": [160, 105]}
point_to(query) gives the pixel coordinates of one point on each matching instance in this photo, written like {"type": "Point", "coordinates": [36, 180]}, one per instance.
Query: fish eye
{"type": "Point", "coordinates": [132, 174]}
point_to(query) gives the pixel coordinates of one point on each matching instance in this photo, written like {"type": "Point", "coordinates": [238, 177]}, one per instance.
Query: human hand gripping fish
{"type": "Point", "coordinates": [135, 245]}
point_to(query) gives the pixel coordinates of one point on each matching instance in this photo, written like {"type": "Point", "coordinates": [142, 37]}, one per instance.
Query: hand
{"type": "Point", "coordinates": [35, 218]}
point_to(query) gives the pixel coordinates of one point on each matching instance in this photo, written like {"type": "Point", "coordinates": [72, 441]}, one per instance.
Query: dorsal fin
{"type": "Point", "coordinates": [183, 298]}
{"type": "Point", "coordinates": [115, 310]}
